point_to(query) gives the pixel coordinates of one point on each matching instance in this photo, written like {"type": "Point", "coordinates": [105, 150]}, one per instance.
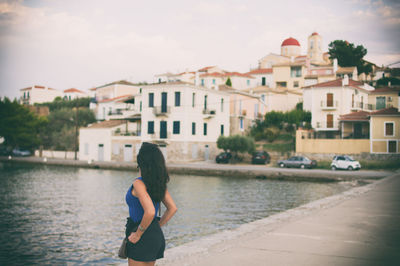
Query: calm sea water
{"type": "Point", "coordinates": [59, 215]}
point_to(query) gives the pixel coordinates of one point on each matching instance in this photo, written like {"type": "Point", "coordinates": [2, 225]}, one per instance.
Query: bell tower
{"type": "Point", "coordinates": [314, 49]}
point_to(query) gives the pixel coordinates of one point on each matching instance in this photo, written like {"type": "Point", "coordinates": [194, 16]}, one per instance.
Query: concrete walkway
{"type": "Point", "coordinates": [358, 227]}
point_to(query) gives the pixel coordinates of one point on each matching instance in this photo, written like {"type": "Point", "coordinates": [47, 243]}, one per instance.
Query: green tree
{"type": "Point", "coordinates": [348, 55]}
{"type": "Point", "coordinates": [20, 127]}
{"type": "Point", "coordinates": [385, 81]}
{"type": "Point", "coordinates": [236, 144]}
{"type": "Point", "coordinates": [228, 82]}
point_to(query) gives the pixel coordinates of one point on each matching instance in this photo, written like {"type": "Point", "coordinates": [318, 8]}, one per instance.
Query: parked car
{"type": "Point", "coordinates": [260, 157]}
{"type": "Point", "coordinates": [223, 157]}
{"type": "Point", "coordinates": [345, 162]}
{"type": "Point", "coordinates": [20, 152]}
{"type": "Point", "coordinates": [297, 161]}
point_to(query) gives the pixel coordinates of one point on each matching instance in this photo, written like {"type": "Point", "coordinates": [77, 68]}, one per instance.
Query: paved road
{"type": "Point", "coordinates": [357, 227]}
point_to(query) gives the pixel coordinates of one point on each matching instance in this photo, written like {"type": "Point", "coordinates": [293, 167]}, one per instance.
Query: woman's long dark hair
{"type": "Point", "coordinates": [154, 172]}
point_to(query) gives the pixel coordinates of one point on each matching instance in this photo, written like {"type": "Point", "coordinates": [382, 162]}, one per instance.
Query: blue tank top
{"type": "Point", "coordinates": [135, 208]}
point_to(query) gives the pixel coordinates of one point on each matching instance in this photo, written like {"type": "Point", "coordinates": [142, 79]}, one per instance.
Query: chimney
{"type": "Point", "coordinates": [345, 80]}
{"type": "Point", "coordinates": [335, 65]}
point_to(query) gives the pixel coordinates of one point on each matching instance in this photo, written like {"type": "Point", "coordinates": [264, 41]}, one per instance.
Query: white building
{"type": "Point", "coordinates": [116, 89]}
{"type": "Point", "coordinates": [122, 107]}
{"type": "Point", "coordinates": [263, 77]}
{"type": "Point", "coordinates": [71, 94]}
{"type": "Point", "coordinates": [327, 101]}
{"type": "Point", "coordinates": [186, 120]}
{"type": "Point", "coordinates": [38, 94]}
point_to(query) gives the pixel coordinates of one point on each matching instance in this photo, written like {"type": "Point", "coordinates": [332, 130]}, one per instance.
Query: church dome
{"type": "Point", "coordinates": [314, 33]}
{"type": "Point", "coordinates": [290, 41]}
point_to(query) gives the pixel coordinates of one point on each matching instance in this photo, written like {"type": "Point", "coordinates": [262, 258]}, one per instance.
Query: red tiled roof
{"type": "Point", "coordinates": [205, 68]}
{"type": "Point", "coordinates": [92, 89]}
{"type": "Point", "coordinates": [213, 74]}
{"type": "Point", "coordinates": [314, 33]}
{"type": "Point", "coordinates": [36, 87]}
{"type": "Point", "coordinates": [115, 98]}
{"type": "Point", "coordinates": [107, 124]}
{"type": "Point", "coordinates": [385, 90]}
{"type": "Point", "coordinates": [387, 111]}
{"type": "Point", "coordinates": [355, 116]}
{"type": "Point", "coordinates": [290, 41]}
{"type": "Point", "coordinates": [73, 90]}
{"type": "Point", "coordinates": [238, 74]}
{"type": "Point", "coordinates": [260, 71]}
{"type": "Point", "coordinates": [335, 83]}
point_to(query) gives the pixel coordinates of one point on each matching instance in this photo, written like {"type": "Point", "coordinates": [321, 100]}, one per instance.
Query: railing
{"type": "Point", "coordinates": [126, 133]}
{"type": "Point", "coordinates": [327, 125]}
{"type": "Point", "coordinates": [157, 135]}
{"type": "Point", "coordinates": [158, 110]}
{"type": "Point", "coordinates": [208, 113]}
{"type": "Point", "coordinates": [329, 105]}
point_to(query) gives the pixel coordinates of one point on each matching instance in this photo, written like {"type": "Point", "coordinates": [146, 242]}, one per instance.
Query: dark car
{"type": "Point", "coordinates": [223, 157]}
{"type": "Point", "coordinates": [297, 161]}
{"type": "Point", "coordinates": [20, 152]}
{"type": "Point", "coordinates": [260, 157]}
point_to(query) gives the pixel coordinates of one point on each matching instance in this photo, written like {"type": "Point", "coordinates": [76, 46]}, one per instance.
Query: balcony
{"type": "Point", "coordinates": [123, 113]}
{"type": "Point", "coordinates": [208, 113]}
{"type": "Point", "coordinates": [327, 125]}
{"type": "Point", "coordinates": [360, 106]}
{"type": "Point", "coordinates": [329, 105]}
{"type": "Point", "coordinates": [158, 111]}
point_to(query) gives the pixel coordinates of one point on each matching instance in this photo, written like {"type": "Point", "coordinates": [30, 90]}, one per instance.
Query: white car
{"type": "Point", "coordinates": [345, 162]}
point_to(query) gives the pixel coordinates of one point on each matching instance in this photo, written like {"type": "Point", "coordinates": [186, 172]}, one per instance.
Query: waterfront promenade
{"type": "Point", "coordinates": [358, 227]}
{"type": "Point", "coordinates": [210, 168]}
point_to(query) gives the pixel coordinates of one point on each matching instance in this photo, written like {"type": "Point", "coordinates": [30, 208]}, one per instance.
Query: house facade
{"type": "Point", "coordinates": [327, 101]}
{"type": "Point", "coordinates": [184, 119]}
{"type": "Point", "coordinates": [38, 94]}
{"type": "Point", "coordinates": [385, 131]}
{"type": "Point", "coordinates": [71, 94]}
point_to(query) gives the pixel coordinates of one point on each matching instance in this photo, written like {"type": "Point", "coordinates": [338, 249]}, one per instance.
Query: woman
{"type": "Point", "coordinates": [146, 241]}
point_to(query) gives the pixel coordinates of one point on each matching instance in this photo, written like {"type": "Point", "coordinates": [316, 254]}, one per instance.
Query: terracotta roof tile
{"type": "Point", "coordinates": [355, 116]}
{"type": "Point", "coordinates": [73, 90]}
{"type": "Point", "coordinates": [387, 111]}
{"type": "Point", "coordinates": [107, 124]}
{"type": "Point", "coordinates": [260, 71]}
{"type": "Point", "coordinates": [335, 83]}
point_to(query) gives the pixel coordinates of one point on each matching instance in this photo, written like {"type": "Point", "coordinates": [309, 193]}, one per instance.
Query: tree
{"type": "Point", "coordinates": [20, 127]}
{"type": "Point", "coordinates": [236, 144]}
{"type": "Point", "coordinates": [348, 55]}
{"type": "Point", "coordinates": [228, 82]}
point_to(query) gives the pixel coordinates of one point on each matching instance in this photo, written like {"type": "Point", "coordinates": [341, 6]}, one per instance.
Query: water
{"type": "Point", "coordinates": [59, 215]}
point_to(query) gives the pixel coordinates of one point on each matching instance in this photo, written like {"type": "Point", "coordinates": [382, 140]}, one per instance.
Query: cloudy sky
{"type": "Point", "coordinates": [87, 43]}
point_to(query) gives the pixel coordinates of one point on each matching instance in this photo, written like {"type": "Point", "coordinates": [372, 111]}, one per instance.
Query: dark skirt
{"type": "Point", "coordinates": [151, 245]}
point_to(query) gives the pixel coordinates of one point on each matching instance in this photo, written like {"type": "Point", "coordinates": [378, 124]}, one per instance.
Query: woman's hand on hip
{"type": "Point", "coordinates": [134, 237]}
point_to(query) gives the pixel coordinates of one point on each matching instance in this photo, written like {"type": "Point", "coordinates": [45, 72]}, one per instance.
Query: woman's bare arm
{"type": "Point", "coordinates": [148, 207]}
{"type": "Point", "coordinates": [171, 208]}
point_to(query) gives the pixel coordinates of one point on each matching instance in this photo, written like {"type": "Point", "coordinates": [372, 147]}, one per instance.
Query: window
{"type": "Point", "coordinates": [176, 129]}
{"type": "Point", "coordinates": [205, 129]}
{"type": "Point", "coordinates": [248, 82]}
{"type": "Point", "coordinates": [150, 127]}
{"type": "Point", "coordinates": [86, 148]}
{"type": "Point", "coordinates": [222, 104]}
{"type": "Point", "coordinates": [193, 128]}
{"type": "Point", "coordinates": [263, 98]}
{"type": "Point", "coordinates": [311, 44]}
{"type": "Point", "coordinates": [213, 81]}
{"type": "Point", "coordinates": [202, 82]}
{"type": "Point", "coordinates": [222, 130]}
{"type": "Point", "coordinates": [281, 84]}
{"type": "Point", "coordinates": [177, 98]}
{"type": "Point", "coordinates": [389, 129]}
{"type": "Point", "coordinates": [329, 100]}
{"type": "Point", "coordinates": [140, 107]}
{"type": "Point", "coordinates": [263, 81]}
{"type": "Point", "coordinates": [205, 102]}
{"type": "Point", "coordinates": [296, 84]}
{"type": "Point", "coordinates": [295, 71]}
{"type": "Point", "coordinates": [392, 146]}
{"type": "Point", "coordinates": [193, 99]}
{"type": "Point", "coordinates": [140, 90]}
{"type": "Point", "coordinates": [151, 99]}
{"type": "Point", "coordinates": [24, 94]}
{"type": "Point", "coordinates": [241, 124]}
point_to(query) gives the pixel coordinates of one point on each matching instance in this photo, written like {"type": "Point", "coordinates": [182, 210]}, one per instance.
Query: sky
{"type": "Point", "coordinates": [87, 43]}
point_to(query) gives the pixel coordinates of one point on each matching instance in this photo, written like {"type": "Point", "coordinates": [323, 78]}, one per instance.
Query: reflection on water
{"type": "Point", "coordinates": [59, 215]}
